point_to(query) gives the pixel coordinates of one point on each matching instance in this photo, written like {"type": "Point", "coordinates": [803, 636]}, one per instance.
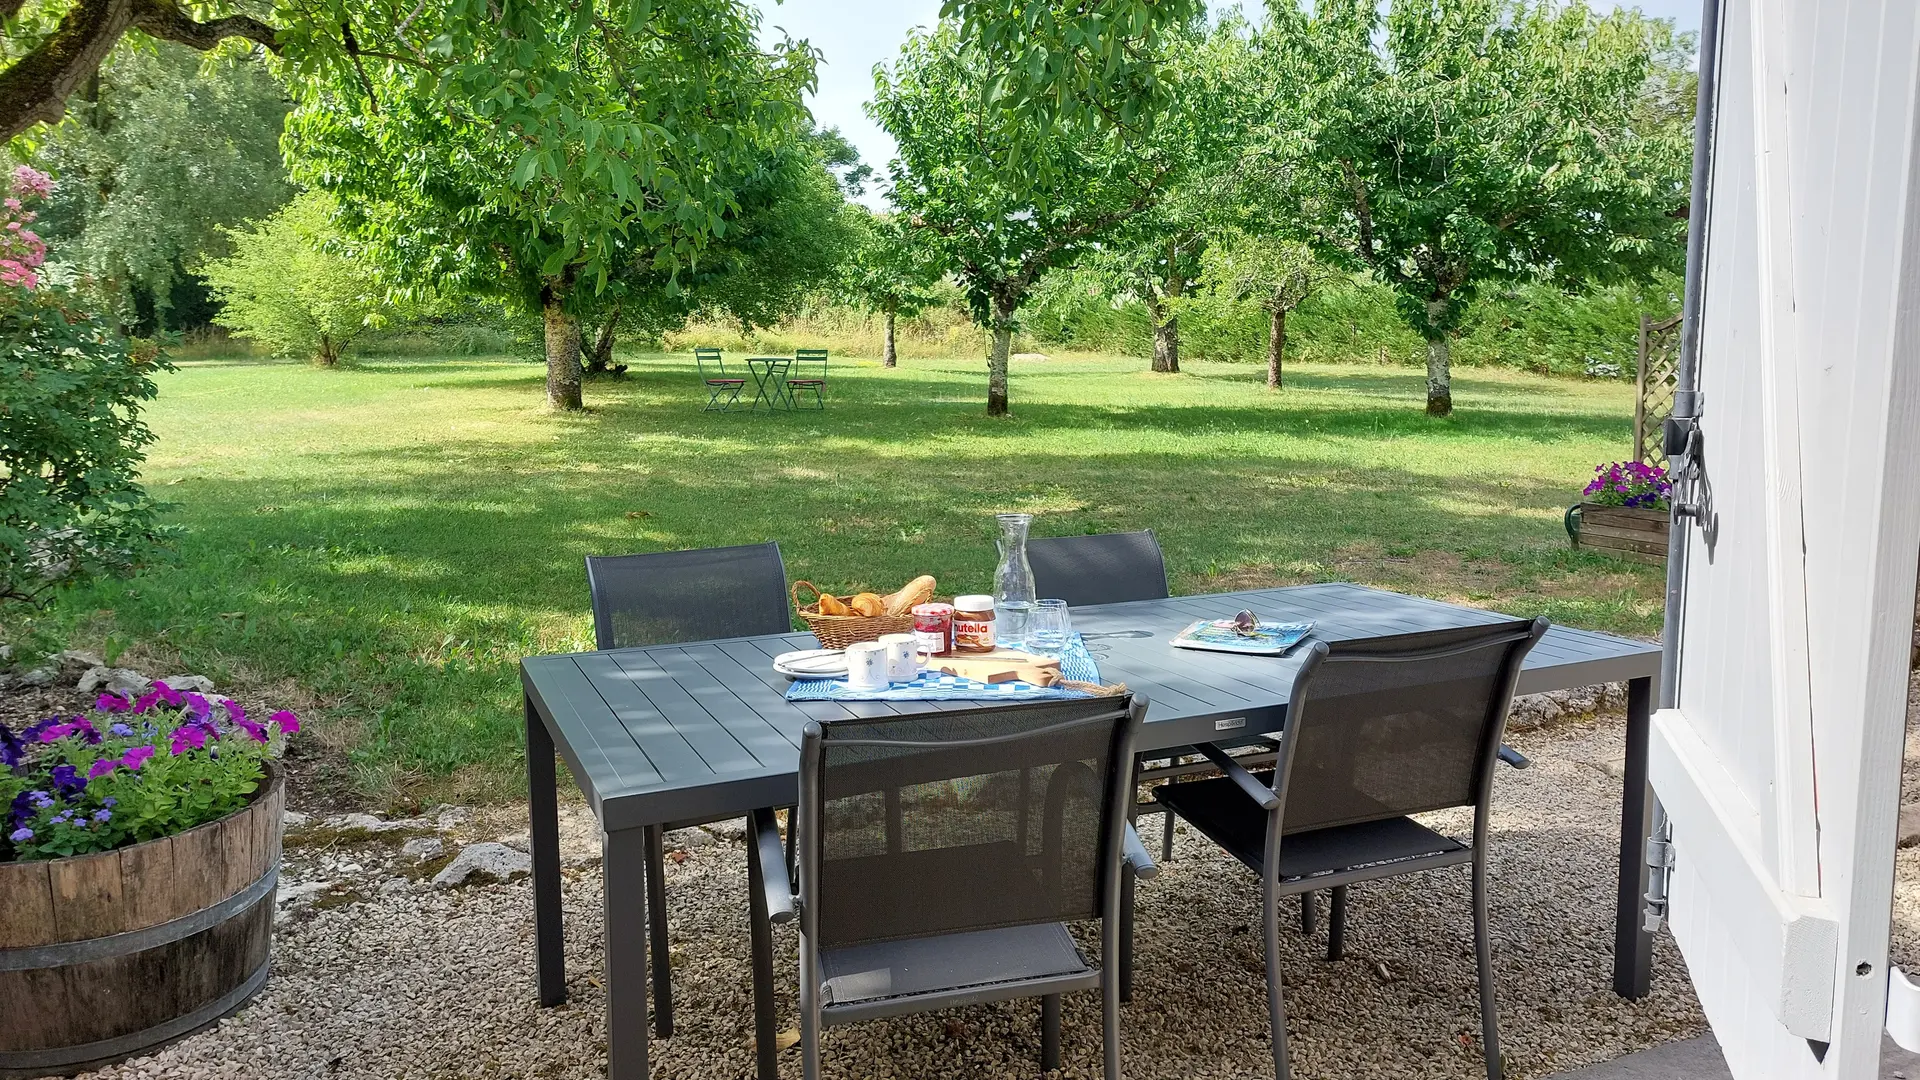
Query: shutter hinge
{"type": "Point", "coordinates": [1660, 862]}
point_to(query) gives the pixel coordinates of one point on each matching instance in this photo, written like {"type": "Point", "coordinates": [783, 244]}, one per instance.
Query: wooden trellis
{"type": "Point", "coordinates": [1653, 385]}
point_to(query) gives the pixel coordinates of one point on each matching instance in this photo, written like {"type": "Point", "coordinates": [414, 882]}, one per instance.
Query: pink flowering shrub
{"type": "Point", "coordinates": [130, 771]}
{"type": "Point", "coordinates": [22, 252]}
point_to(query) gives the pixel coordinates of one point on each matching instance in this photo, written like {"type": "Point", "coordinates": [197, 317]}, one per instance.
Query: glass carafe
{"type": "Point", "coordinates": [1013, 594]}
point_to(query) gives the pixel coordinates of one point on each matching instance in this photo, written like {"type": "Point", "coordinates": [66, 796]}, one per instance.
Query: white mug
{"type": "Point", "coordinates": [906, 657]}
{"type": "Point", "coordinates": [867, 665]}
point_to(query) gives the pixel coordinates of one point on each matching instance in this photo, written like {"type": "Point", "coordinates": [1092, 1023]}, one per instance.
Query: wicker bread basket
{"type": "Point", "coordinates": [840, 631]}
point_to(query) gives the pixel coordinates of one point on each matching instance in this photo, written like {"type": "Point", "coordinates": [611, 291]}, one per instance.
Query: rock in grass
{"type": "Point", "coordinates": [423, 848]}
{"type": "Point", "coordinates": [198, 684]}
{"type": "Point", "coordinates": [483, 863]}
{"type": "Point", "coordinates": [125, 682]}
{"type": "Point", "coordinates": [36, 678]}
{"type": "Point", "coordinates": [294, 820]}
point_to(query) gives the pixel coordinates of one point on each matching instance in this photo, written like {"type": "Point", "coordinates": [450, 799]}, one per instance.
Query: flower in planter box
{"type": "Point", "coordinates": [132, 772]}
{"type": "Point", "coordinates": [1630, 484]}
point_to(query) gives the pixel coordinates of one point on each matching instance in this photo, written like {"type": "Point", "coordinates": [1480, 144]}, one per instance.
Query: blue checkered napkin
{"type": "Point", "coordinates": [1076, 665]}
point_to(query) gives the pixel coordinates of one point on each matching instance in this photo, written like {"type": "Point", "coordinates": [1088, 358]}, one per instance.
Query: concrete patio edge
{"type": "Point", "coordinates": [1699, 1059]}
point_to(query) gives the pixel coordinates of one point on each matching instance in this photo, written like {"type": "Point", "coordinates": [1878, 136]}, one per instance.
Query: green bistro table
{"type": "Point", "coordinates": [770, 371]}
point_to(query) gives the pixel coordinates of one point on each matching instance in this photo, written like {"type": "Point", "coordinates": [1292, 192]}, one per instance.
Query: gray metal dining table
{"type": "Point", "coordinates": [702, 731]}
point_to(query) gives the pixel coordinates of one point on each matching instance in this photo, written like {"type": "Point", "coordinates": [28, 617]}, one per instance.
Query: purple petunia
{"type": "Point", "coordinates": [112, 703]}
{"type": "Point", "coordinates": [68, 781]}
{"type": "Point", "coordinates": [285, 721]}
{"type": "Point", "coordinates": [167, 693]}
{"type": "Point", "coordinates": [199, 706]}
{"type": "Point", "coordinates": [136, 757]}
{"type": "Point", "coordinates": [251, 727]}
{"type": "Point", "coordinates": [12, 750]}
{"type": "Point", "coordinates": [234, 709]}
{"type": "Point", "coordinates": [188, 736]}
{"type": "Point", "coordinates": [101, 768]}
{"type": "Point", "coordinates": [147, 701]}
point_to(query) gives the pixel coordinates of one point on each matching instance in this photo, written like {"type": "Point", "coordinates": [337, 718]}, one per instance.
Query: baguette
{"type": "Point", "coordinates": [917, 591]}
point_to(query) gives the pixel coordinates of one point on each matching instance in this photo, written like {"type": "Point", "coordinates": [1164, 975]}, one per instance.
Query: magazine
{"type": "Point", "coordinates": [1268, 639]}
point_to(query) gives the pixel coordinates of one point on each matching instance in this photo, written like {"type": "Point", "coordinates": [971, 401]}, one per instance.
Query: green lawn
{"type": "Point", "coordinates": [391, 538]}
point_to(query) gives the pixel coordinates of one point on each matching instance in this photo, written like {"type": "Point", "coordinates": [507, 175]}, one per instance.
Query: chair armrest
{"type": "Point", "coordinates": [1514, 757]}
{"type": "Point", "coordinates": [1238, 773]}
{"type": "Point", "coordinates": [1136, 855]}
{"type": "Point", "coordinates": [773, 866]}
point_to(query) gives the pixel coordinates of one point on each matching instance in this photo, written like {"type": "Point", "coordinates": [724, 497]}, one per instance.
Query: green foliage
{"type": "Point", "coordinates": [288, 287]}
{"type": "Point", "coordinates": [999, 206]}
{"type": "Point", "coordinates": [890, 271]}
{"type": "Point", "coordinates": [1449, 146]}
{"type": "Point", "coordinates": [172, 150]}
{"type": "Point", "coordinates": [526, 149]}
{"type": "Point", "coordinates": [71, 445]}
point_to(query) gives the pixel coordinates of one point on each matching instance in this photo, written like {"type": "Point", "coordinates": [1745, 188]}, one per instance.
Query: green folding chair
{"type": "Point", "coordinates": [713, 373]}
{"type": "Point", "coordinates": [803, 377]}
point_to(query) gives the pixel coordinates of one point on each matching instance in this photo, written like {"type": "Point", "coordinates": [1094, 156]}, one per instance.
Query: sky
{"type": "Point", "coordinates": [854, 35]}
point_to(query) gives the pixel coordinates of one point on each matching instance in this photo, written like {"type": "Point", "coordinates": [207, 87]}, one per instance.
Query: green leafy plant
{"type": "Point", "coordinates": [71, 437]}
{"type": "Point", "coordinates": [288, 287]}
{"type": "Point", "coordinates": [130, 771]}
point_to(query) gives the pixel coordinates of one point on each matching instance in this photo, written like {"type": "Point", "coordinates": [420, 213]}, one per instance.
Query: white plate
{"type": "Point", "coordinates": [812, 664]}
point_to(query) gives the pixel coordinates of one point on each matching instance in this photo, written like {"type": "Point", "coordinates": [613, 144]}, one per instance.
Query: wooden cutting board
{"type": "Point", "coordinates": [999, 666]}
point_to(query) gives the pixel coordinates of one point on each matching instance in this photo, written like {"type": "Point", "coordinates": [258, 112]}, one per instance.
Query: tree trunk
{"type": "Point", "coordinates": [1439, 376]}
{"type": "Point", "coordinates": [600, 356]}
{"type": "Point", "coordinates": [1276, 345]}
{"type": "Point", "coordinates": [563, 347]}
{"type": "Point", "coordinates": [328, 353]}
{"type": "Point", "coordinates": [888, 358]}
{"type": "Point", "coordinates": [997, 358]}
{"type": "Point", "coordinates": [1166, 345]}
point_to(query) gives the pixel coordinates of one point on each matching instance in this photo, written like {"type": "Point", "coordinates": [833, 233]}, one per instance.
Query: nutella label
{"type": "Point", "coordinates": [974, 635]}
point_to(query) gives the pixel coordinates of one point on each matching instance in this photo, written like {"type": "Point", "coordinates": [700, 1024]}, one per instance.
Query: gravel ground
{"type": "Point", "coordinates": [380, 975]}
{"type": "Point", "coordinates": [1904, 945]}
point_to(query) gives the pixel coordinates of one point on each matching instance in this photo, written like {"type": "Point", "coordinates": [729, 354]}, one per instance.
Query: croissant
{"type": "Point", "coordinates": [868, 604]}
{"type": "Point", "coordinates": [832, 605]}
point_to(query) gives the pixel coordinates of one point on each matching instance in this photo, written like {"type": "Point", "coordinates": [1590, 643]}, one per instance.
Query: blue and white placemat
{"type": "Point", "coordinates": [1076, 665]}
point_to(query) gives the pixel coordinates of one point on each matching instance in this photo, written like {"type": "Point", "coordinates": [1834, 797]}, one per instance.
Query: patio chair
{"type": "Point", "coordinates": [1108, 568]}
{"type": "Point", "coordinates": [804, 378]}
{"type": "Point", "coordinates": [670, 596]}
{"type": "Point", "coordinates": [1377, 729]}
{"type": "Point", "coordinates": [921, 883]}
{"type": "Point", "coordinates": [713, 374]}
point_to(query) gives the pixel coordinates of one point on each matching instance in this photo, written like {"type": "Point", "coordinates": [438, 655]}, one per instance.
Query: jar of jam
{"type": "Point", "coordinates": [933, 628]}
{"type": "Point", "coordinates": [973, 624]}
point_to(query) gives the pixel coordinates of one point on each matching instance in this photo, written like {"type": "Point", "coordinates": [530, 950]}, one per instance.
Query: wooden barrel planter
{"type": "Point", "coordinates": [109, 956]}
{"type": "Point", "coordinates": [1624, 532]}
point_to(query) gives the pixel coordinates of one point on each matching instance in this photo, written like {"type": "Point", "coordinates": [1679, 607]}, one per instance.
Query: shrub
{"type": "Point", "coordinates": [286, 287]}
{"type": "Point", "coordinates": [71, 438]}
{"type": "Point", "coordinates": [130, 771]}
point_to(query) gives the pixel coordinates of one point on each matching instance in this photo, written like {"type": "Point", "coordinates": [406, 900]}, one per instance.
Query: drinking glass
{"type": "Point", "coordinates": [1050, 629]}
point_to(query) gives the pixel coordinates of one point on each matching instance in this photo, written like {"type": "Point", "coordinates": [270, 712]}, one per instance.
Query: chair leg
{"type": "Point", "coordinates": [1050, 1033]}
{"type": "Point", "coordinates": [1309, 913]}
{"type": "Point", "coordinates": [760, 928]}
{"type": "Point", "coordinates": [1166, 839]}
{"type": "Point", "coordinates": [657, 929]}
{"type": "Point", "coordinates": [809, 1012]}
{"type": "Point", "coordinates": [1483, 953]}
{"type": "Point", "coordinates": [1276, 1002]}
{"type": "Point", "coordinates": [1337, 924]}
{"type": "Point", "coordinates": [1109, 1000]}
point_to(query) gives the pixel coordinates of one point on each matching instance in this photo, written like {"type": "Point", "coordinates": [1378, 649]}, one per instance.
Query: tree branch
{"type": "Point", "coordinates": [34, 89]}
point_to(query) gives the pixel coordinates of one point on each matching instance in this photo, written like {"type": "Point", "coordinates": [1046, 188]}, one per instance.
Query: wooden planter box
{"type": "Point", "coordinates": [1640, 535]}
{"type": "Point", "coordinates": [105, 957]}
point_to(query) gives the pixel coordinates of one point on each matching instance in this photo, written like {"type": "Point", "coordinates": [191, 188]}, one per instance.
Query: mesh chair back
{"type": "Point", "coordinates": [945, 822]}
{"type": "Point", "coordinates": [669, 596]}
{"type": "Point", "coordinates": [1385, 727]}
{"type": "Point", "coordinates": [1108, 568]}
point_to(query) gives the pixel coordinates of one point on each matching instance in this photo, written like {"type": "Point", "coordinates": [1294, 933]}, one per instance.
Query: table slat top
{"type": "Point", "coordinates": [703, 730]}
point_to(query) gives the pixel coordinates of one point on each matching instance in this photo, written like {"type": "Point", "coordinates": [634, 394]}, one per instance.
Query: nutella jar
{"type": "Point", "coordinates": [973, 624]}
{"type": "Point", "coordinates": [933, 628]}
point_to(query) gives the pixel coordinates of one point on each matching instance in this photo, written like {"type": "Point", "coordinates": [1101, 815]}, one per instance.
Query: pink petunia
{"type": "Point", "coordinates": [188, 737]}
{"type": "Point", "coordinates": [136, 757]}
{"type": "Point", "coordinates": [285, 721]}
{"type": "Point", "coordinates": [101, 768]}
{"type": "Point", "coordinates": [112, 703]}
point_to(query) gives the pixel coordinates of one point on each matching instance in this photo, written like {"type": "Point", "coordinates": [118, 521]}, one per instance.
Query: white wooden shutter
{"type": "Point", "coordinates": [1779, 765]}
